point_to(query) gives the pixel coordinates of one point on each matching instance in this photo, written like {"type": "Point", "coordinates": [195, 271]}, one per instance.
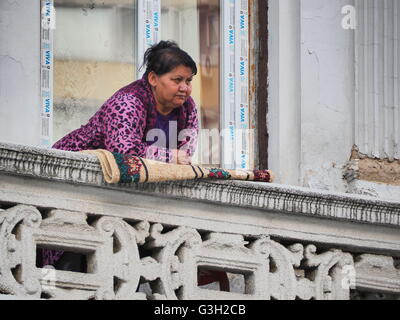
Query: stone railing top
{"type": "Point", "coordinates": [80, 168]}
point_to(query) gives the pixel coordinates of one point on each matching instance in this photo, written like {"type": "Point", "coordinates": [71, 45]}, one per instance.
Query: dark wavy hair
{"type": "Point", "coordinates": [165, 56]}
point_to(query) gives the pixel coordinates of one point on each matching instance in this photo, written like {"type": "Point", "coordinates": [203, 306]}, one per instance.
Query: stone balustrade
{"type": "Point", "coordinates": [149, 241]}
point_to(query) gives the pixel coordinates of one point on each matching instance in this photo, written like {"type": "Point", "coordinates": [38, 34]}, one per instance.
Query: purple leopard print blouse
{"type": "Point", "coordinates": [122, 123]}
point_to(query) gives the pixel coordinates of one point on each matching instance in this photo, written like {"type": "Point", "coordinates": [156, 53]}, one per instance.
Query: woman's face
{"type": "Point", "coordinates": [172, 89]}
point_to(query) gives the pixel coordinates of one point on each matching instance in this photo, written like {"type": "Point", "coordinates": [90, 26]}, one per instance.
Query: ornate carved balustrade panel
{"type": "Point", "coordinates": [122, 255]}
{"type": "Point", "coordinates": [117, 265]}
{"type": "Point", "coordinates": [23, 230]}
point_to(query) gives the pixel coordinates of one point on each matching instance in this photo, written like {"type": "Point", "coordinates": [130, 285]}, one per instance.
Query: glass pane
{"type": "Point", "coordinates": [94, 43]}
{"type": "Point", "coordinates": [195, 26]}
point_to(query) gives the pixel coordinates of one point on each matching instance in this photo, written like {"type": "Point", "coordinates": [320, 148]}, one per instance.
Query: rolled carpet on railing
{"type": "Point", "coordinates": [122, 168]}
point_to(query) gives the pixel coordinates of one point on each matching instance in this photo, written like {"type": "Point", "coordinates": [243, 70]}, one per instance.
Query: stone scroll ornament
{"type": "Point", "coordinates": [326, 275]}
{"type": "Point", "coordinates": [18, 275]}
{"type": "Point", "coordinates": [120, 168]}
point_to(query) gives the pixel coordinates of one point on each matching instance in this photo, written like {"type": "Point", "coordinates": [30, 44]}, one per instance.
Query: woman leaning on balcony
{"type": "Point", "coordinates": [123, 122]}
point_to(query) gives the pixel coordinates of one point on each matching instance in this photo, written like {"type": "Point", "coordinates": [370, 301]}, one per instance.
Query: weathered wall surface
{"type": "Point", "coordinates": [382, 171]}
{"type": "Point", "coordinates": [284, 90]}
{"type": "Point", "coordinates": [373, 177]}
{"type": "Point", "coordinates": [327, 94]}
{"type": "Point", "coordinates": [311, 93]}
{"type": "Point", "coordinates": [20, 71]}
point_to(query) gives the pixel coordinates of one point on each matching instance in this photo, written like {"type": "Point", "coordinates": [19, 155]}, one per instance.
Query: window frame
{"type": "Point", "coordinates": [256, 22]}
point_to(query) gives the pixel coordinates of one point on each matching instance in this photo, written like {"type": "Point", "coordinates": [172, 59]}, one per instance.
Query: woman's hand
{"type": "Point", "coordinates": [180, 157]}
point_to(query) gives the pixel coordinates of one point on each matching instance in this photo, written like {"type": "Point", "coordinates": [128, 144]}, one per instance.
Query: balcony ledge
{"type": "Point", "coordinates": [83, 169]}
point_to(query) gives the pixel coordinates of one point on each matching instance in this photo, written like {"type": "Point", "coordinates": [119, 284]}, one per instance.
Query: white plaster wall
{"type": "Point", "coordinates": [284, 103]}
{"type": "Point", "coordinates": [20, 71]}
{"type": "Point", "coordinates": [377, 190]}
{"type": "Point", "coordinates": [311, 92]}
{"type": "Point", "coordinates": [327, 94]}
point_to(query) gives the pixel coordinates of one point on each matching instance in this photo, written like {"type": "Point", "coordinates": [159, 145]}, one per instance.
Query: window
{"type": "Point", "coordinates": [94, 39]}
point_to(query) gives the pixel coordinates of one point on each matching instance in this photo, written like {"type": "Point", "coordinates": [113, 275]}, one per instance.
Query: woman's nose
{"type": "Point", "coordinates": [183, 87]}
